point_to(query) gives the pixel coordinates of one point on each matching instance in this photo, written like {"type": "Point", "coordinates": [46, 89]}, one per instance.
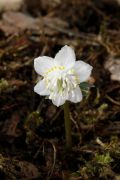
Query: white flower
{"type": "Point", "coordinates": [61, 76]}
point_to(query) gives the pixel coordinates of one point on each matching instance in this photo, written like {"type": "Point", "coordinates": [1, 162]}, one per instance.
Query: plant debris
{"type": "Point", "coordinates": [32, 139]}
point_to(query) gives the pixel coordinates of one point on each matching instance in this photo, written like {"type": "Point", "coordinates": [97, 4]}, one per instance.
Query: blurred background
{"type": "Point", "coordinates": [31, 128]}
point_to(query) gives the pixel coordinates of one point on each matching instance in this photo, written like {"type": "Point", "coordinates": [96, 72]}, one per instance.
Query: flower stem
{"type": "Point", "coordinates": [67, 126]}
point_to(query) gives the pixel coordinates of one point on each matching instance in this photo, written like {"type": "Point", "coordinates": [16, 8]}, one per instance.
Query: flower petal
{"type": "Point", "coordinates": [76, 95]}
{"type": "Point", "coordinates": [65, 57]}
{"type": "Point", "coordinates": [83, 70]}
{"type": "Point", "coordinates": [42, 64]}
{"type": "Point", "coordinates": [40, 88]}
{"type": "Point", "coordinates": [58, 100]}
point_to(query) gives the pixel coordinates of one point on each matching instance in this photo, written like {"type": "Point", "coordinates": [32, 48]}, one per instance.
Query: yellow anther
{"type": "Point", "coordinates": [62, 67]}
{"type": "Point", "coordinates": [54, 68]}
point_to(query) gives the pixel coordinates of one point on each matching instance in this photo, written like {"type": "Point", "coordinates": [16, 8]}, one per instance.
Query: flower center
{"type": "Point", "coordinates": [62, 82]}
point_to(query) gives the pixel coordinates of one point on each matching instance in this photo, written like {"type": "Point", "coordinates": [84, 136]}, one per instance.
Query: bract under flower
{"type": "Point", "coordinates": [61, 76]}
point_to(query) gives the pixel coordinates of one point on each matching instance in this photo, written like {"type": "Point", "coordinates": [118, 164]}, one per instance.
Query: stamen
{"type": "Point", "coordinates": [54, 68]}
{"type": "Point", "coordinates": [62, 83]}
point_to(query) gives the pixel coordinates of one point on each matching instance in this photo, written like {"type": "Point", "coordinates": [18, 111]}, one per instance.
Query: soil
{"type": "Point", "coordinates": [32, 135]}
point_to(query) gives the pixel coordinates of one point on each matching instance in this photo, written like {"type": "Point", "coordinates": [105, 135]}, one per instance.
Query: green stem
{"type": "Point", "coordinates": [67, 126]}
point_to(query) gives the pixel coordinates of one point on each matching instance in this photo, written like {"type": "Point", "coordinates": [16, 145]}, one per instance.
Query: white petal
{"type": "Point", "coordinates": [65, 57]}
{"type": "Point", "coordinates": [83, 70]}
{"type": "Point", "coordinates": [42, 64]}
{"type": "Point", "coordinates": [58, 100]}
{"type": "Point", "coordinates": [40, 88]}
{"type": "Point", "coordinates": [76, 95]}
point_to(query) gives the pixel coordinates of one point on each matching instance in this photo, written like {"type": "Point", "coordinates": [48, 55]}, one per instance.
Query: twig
{"type": "Point", "coordinates": [54, 160]}
{"type": "Point", "coordinates": [112, 100]}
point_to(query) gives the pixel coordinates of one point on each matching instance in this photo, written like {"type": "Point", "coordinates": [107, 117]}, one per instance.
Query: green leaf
{"type": "Point", "coordinates": [103, 159]}
{"type": "Point", "coordinates": [85, 87]}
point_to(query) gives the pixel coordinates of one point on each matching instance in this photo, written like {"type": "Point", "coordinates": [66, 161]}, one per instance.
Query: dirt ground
{"type": "Point", "coordinates": [32, 138]}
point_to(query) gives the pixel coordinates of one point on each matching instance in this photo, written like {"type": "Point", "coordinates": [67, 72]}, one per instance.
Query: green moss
{"type": "Point", "coordinates": [3, 84]}
{"type": "Point", "coordinates": [103, 159]}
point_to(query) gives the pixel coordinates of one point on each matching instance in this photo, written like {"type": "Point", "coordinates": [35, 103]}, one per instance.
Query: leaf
{"type": "Point", "coordinates": [113, 66]}
{"type": "Point", "coordinates": [28, 170]}
{"type": "Point", "coordinates": [13, 22]}
{"type": "Point", "coordinates": [85, 86]}
{"type": "Point", "coordinates": [8, 5]}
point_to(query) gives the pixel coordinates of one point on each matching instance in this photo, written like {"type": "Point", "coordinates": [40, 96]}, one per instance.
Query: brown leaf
{"type": "Point", "coordinates": [15, 169]}
{"type": "Point", "coordinates": [113, 66]}
{"type": "Point", "coordinates": [16, 83]}
{"type": "Point", "coordinates": [10, 126]}
{"type": "Point", "coordinates": [35, 5]}
{"type": "Point", "coordinates": [13, 22]}
{"type": "Point", "coordinates": [28, 170]}
{"type": "Point", "coordinates": [6, 5]}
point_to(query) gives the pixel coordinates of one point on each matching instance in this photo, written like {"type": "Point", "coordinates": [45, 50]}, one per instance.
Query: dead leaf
{"type": "Point", "coordinates": [18, 169]}
{"type": "Point", "coordinates": [118, 1]}
{"type": "Point", "coordinates": [35, 5]}
{"type": "Point", "coordinates": [113, 66]}
{"type": "Point", "coordinates": [55, 21]}
{"type": "Point", "coordinates": [13, 22]}
{"type": "Point", "coordinates": [16, 83]}
{"type": "Point", "coordinates": [16, 22]}
{"type": "Point", "coordinates": [28, 170]}
{"type": "Point", "coordinates": [10, 126]}
{"type": "Point", "coordinates": [6, 5]}
{"type": "Point", "coordinates": [117, 177]}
